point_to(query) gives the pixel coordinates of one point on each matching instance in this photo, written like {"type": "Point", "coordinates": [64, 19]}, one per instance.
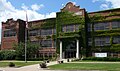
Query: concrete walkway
{"type": "Point", "coordinates": [35, 67]}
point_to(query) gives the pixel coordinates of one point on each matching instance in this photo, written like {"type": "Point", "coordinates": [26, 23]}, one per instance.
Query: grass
{"type": "Point", "coordinates": [17, 63]}
{"type": "Point", "coordinates": [87, 66]}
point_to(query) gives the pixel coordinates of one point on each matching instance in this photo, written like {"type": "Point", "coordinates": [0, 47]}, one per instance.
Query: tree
{"type": "Point", "coordinates": [32, 50]}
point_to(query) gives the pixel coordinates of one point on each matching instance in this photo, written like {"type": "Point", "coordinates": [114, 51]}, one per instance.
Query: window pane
{"type": "Point", "coordinates": [101, 26]}
{"type": "Point", "coordinates": [45, 32]}
{"type": "Point", "coordinates": [9, 33]}
{"type": "Point", "coordinates": [54, 31]}
{"type": "Point", "coordinates": [89, 27]}
{"type": "Point", "coordinates": [33, 32]}
{"type": "Point", "coordinates": [69, 28]}
{"type": "Point", "coordinates": [115, 25]}
{"type": "Point", "coordinates": [77, 27]}
{"type": "Point", "coordinates": [116, 40]}
{"type": "Point", "coordinates": [102, 41]}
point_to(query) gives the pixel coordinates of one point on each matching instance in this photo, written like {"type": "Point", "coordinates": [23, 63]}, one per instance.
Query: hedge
{"type": "Point", "coordinates": [101, 59]}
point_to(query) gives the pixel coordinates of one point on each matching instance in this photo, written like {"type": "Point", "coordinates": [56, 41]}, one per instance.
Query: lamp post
{"type": "Point", "coordinates": [26, 26]}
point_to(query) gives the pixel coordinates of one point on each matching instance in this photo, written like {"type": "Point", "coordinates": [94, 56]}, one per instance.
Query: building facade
{"type": "Point", "coordinates": [12, 33]}
{"type": "Point", "coordinates": [74, 33]}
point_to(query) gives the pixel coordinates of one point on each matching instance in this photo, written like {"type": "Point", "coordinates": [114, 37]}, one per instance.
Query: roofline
{"type": "Point", "coordinates": [104, 10]}
{"type": "Point", "coordinates": [41, 20]}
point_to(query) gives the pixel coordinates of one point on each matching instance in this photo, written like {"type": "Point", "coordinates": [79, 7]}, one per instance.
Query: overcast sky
{"type": "Point", "coordinates": [41, 9]}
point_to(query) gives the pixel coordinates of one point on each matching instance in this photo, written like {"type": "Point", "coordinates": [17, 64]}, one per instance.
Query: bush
{"type": "Point", "coordinates": [7, 55]}
{"type": "Point", "coordinates": [43, 65]}
{"type": "Point", "coordinates": [11, 64]}
{"type": "Point", "coordinates": [102, 59]}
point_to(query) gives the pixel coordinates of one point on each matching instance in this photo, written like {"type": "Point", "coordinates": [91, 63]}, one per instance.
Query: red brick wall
{"type": "Point", "coordinates": [7, 42]}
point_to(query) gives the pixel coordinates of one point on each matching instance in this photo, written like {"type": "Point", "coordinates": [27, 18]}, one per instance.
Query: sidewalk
{"type": "Point", "coordinates": [35, 67]}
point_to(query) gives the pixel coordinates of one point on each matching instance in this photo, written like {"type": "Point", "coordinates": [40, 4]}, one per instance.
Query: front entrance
{"type": "Point", "coordinates": [70, 54]}
{"type": "Point", "coordinates": [70, 49]}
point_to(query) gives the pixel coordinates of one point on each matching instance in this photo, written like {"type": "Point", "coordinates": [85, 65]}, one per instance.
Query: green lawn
{"type": "Point", "coordinates": [87, 66]}
{"type": "Point", "coordinates": [18, 64]}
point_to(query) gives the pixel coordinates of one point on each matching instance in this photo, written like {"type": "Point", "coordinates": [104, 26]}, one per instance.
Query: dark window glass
{"type": "Point", "coordinates": [64, 28]}
{"type": "Point", "coordinates": [77, 27]}
{"type": "Point", "coordinates": [89, 27]}
{"type": "Point", "coordinates": [101, 26]}
{"type": "Point", "coordinates": [102, 41]}
{"type": "Point", "coordinates": [115, 25]}
{"type": "Point", "coordinates": [69, 28]}
{"type": "Point", "coordinates": [9, 33]}
{"type": "Point", "coordinates": [116, 40]}
{"type": "Point", "coordinates": [33, 32]}
{"type": "Point", "coordinates": [54, 31]}
{"type": "Point", "coordinates": [45, 32]}
{"type": "Point", "coordinates": [46, 43]}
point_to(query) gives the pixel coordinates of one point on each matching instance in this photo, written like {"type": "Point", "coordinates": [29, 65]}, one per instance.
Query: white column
{"type": "Point", "coordinates": [77, 50]}
{"type": "Point", "coordinates": [60, 50]}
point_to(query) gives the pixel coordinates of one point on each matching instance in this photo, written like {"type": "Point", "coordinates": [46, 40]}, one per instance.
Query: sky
{"type": "Point", "coordinates": [41, 9]}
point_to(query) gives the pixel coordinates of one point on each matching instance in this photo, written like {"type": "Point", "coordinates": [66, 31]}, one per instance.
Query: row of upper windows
{"type": "Point", "coordinates": [42, 32]}
{"type": "Point", "coordinates": [104, 41]}
{"type": "Point", "coordinates": [70, 28]}
{"type": "Point", "coordinates": [45, 43]}
{"type": "Point", "coordinates": [9, 33]}
{"type": "Point", "coordinates": [104, 26]}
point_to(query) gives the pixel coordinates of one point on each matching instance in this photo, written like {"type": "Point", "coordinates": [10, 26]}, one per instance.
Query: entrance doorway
{"type": "Point", "coordinates": [70, 50]}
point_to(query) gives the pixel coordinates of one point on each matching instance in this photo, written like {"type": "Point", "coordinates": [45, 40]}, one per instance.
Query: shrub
{"type": "Point", "coordinates": [102, 59]}
{"type": "Point", "coordinates": [11, 64]}
{"type": "Point", "coordinates": [7, 55]}
{"type": "Point", "coordinates": [43, 65]}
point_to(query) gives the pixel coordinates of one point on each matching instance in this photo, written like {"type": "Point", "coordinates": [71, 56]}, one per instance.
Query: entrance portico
{"type": "Point", "coordinates": [77, 49]}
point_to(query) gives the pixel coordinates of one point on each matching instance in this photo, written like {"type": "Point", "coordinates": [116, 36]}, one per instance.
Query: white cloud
{"type": "Point", "coordinates": [104, 6]}
{"type": "Point", "coordinates": [109, 3]}
{"type": "Point", "coordinates": [36, 7]}
{"type": "Point", "coordinates": [74, 3]}
{"type": "Point", "coordinates": [115, 3]}
{"type": "Point", "coordinates": [7, 10]}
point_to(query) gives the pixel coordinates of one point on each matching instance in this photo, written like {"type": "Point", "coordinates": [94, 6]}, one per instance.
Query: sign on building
{"type": "Point", "coordinates": [100, 54]}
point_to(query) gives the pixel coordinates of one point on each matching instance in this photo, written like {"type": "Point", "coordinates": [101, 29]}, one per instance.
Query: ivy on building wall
{"type": "Point", "coordinates": [113, 32]}
{"type": "Point", "coordinates": [48, 23]}
{"type": "Point", "coordinates": [67, 18]}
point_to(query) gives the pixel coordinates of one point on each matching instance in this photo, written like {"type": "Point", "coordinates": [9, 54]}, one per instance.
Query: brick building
{"type": "Point", "coordinates": [73, 33]}
{"type": "Point", "coordinates": [12, 33]}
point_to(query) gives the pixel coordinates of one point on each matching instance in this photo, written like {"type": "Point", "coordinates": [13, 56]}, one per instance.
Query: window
{"type": "Point", "coordinates": [35, 42]}
{"type": "Point", "coordinates": [77, 27]}
{"type": "Point", "coordinates": [9, 33]}
{"type": "Point", "coordinates": [116, 40]}
{"type": "Point", "coordinates": [115, 25]}
{"type": "Point", "coordinates": [46, 43]}
{"type": "Point", "coordinates": [102, 41]}
{"type": "Point", "coordinates": [70, 28]}
{"type": "Point", "coordinates": [89, 27]}
{"type": "Point", "coordinates": [101, 26]}
{"type": "Point", "coordinates": [45, 32]}
{"type": "Point", "coordinates": [33, 32]}
{"type": "Point", "coordinates": [54, 31]}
